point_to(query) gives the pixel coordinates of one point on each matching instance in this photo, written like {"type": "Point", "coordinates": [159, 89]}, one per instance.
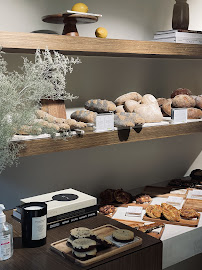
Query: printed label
{"type": "Point", "coordinates": [39, 227]}
{"type": "Point", "coordinates": [5, 247]}
{"type": "Point", "coordinates": [104, 122]}
{"type": "Point", "coordinates": [134, 210]}
{"type": "Point", "coordinates": [197, 193]}
{"type": "Point", "coordinates": [174, 200]}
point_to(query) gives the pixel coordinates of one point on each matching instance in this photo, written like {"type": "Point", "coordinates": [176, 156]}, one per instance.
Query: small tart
{"type": "Point", "coordinates": [122, 235]}
{"type": "Point", "coordinates": [81, 232]}
{"type": "Point", "coordinates": [83, 244]}
{"type": "Point", "coordinates": [85, 255]}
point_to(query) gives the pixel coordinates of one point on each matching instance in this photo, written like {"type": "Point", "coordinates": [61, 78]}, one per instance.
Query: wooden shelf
{"type": "Point", "coordinates": [91, 139]}
{"type": "Point", "coordinates": [29, 42]}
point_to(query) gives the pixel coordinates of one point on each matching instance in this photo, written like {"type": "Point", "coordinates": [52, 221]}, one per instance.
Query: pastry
{"type": "Point", "coordinates": [150, 227]}
{"type": "Point", "coordinates": [83, 244]}
{"type": "Point", "coordinates": [183, 101]}
{"type": "Point", "coordinates": [107, 196]}
{"type": "Point", "coordinates": [85, 255]}
{"type": "Point", "coordinates": [129, 96]}
{"type": "Point", "coordinates": [81, 232]}
{"type": "Point", "coordinates": [123, 235]}
{"type": "Point", "coordinates": [107, 209]}
{"type": "Point", "coordinates": [181, 91]}
{"type": "Point", "coordinates": [143, 198]}
{"type": "Point", "coordinates": [170, 212]}
{"type": "Point", "coordinates": [84, 116]}
{"type": "Point", "coordinates": [102, 242]}
{"type": "Point", "coordinates": [196, 174]}
{"type": "Point", "coordinates": [154, 211]}
{"type": "Point", "coordinates": [100, 106]}
{"type": "Point", "coordinates": [122, 196]}
{"type": "Point", "coordinates": [189, 213]}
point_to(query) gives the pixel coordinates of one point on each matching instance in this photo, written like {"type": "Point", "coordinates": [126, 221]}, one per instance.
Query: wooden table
{"type": "Point", "coordinates": [148, 256]}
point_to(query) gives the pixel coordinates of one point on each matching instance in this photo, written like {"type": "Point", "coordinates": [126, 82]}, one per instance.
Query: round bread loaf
{"type": "Point", "coordinates": [81, 232]}
{"type": "Point", "coordinates": [122, 235]}
{"type": "Point", "coordinates": [85, 255]}
{"type": "Point", "coordinates": [83, 244]}
{"type": "Point", "coordinates": [181, 91]}
{"type": "Point", "coordinates": [122, 196]}
{"type": "Point", "coordinates": [183, 101]}
{"type": "Point", "coordinates": [167, 106]}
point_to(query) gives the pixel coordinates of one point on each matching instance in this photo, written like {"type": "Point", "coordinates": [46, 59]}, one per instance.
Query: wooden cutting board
{"type": "Point", "coordinates": [194, 204]}
{"type": "Point", "coordinates": [63, 250]}
{"type": "Point", "coordinates": [182, 222]}
{"type": "Point", "coordinates": [130, 223]}
{"type": "Point", "coordinates": [157, 235]}
{"type": "Point", "coordinates": [163, 192]}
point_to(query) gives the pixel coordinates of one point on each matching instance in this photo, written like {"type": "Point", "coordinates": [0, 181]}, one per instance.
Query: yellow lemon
{"type": "Point", "coordinates": [101, 32]}
{"type": "Point", "coordinates": [80, 7]}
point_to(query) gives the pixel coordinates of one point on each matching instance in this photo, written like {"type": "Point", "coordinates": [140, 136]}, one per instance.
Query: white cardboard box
{"type": "Point", "coordinates": [56, 207]}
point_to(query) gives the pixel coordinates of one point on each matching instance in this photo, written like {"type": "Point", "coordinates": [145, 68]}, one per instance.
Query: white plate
{"type": "Point", "coordinates": [83, 13]}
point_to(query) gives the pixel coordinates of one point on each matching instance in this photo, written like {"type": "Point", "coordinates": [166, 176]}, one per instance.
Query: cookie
{"type": "Point", "coordinates": [85, 255]}
{"type": "Point", "coordinates": [83, 244]}
{"type": "Point", "coordinates": [81, 232]}
{"type": "Point", "coordinates": [122, 235]}
{"type": "Point", "coordinates": [103, 243]}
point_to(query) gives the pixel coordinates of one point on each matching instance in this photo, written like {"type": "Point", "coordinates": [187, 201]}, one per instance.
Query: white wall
{"type": "Point", "coordinates": [128, 165]}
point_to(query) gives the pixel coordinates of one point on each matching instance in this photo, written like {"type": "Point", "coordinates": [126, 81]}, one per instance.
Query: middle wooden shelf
{"type": "Point", "coordinates": [37, 145]}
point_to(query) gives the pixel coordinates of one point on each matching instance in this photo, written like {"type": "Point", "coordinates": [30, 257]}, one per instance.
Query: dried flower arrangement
{"type": "Point", "coordinates": [21, 92]}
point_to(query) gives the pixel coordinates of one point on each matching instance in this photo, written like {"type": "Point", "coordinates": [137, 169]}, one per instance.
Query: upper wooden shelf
{"type": "Point", "coordinates": [91, 139]}
{"type": "Point", "coordinates": [29, 42]}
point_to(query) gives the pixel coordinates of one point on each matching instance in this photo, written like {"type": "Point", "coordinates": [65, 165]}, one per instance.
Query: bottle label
{"type": "Point", "coordinates": [5, 247]}
{"type": "Point", "coordinates": [39, 227]}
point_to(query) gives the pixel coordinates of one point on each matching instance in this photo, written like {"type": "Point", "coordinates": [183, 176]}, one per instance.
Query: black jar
{"type": "Point", "coordinates": [34, 224]}
{"type": "Point", "coordinates": [180, 19]}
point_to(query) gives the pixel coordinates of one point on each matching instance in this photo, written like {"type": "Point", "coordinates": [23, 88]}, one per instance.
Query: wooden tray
{"type": "Point", "coordinates": [163, 192]}
{"type": "Point", "coordinates": [157, 235]}
{"type": "Point", "coordinates": [194, 204]}
{"type": "Point", "coordinates": [130, 223]}
{"type": "Point", "coordinates": [182, 222]}
{"type": "Point", "coordinates": [63, 250]}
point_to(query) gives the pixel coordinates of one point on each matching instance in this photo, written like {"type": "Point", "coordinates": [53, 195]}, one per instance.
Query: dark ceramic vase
{"type": "Point", "coordinates": [180, 15]}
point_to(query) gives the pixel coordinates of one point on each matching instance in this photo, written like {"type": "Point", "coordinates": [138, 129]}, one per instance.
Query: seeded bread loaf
{"type": "Point", "coordinates": [127, 120]}
{"type": "Point", "coordinates": [100, 106]}
{"type": "Point", "coordinates": [84, 116]}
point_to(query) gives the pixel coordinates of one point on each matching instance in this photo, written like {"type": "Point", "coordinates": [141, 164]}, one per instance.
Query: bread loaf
{"type": "Point", "coordinates": [150, 113]}
{"type": "Point", "coordinates": [126, 120]}
{"type": "Point", "coordinates": [84, 116]}
{"type": "Point", "coordinates": [166, 107]}
{"type": "Point", "coordinates": [198, 100]}
{"type": "Point", "coordinates": [129, 96]}
{"type": "Point", "coordinates": [130, 105]}
{"type": "Point", "coordinates": [194, 113]}
{"type": "Point", "coordinates": [100, 106]}
{"type": "Point", "coordinates": [183, 101]}
{"type": "Point", "coordinates": [181, 91]}
{"type": "Point", "coordinates": [119, 109]}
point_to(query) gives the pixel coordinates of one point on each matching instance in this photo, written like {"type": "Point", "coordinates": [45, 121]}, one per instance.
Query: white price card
{"type": "Point", "coordinates": [179, 115]}
{"type": "Point", "coordinates": [134, 210]}
{"type": "Point", "coordinates": [104, 122]}
{"type": "Point", "coordinates": [197, 192]}
{"type": "Point", "coordinates": [174, 200]}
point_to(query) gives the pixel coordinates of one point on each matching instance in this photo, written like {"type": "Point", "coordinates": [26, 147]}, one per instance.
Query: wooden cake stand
{"type": "Point", "coordinates": [70, 21]}
{"type": "Point", "coordinates": [57, 108]}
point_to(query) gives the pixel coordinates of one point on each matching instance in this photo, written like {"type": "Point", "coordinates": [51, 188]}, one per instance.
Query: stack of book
{"type": "Point", "coordinates": [63, 207]}
{"type": "Point", "coordinates": [179, 36]}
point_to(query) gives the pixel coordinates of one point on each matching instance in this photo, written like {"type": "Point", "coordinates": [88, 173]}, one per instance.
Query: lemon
{"type": "Point", "coordinates": [80, 7]}
{"type": "Point", "coordinates": [101, 32]}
